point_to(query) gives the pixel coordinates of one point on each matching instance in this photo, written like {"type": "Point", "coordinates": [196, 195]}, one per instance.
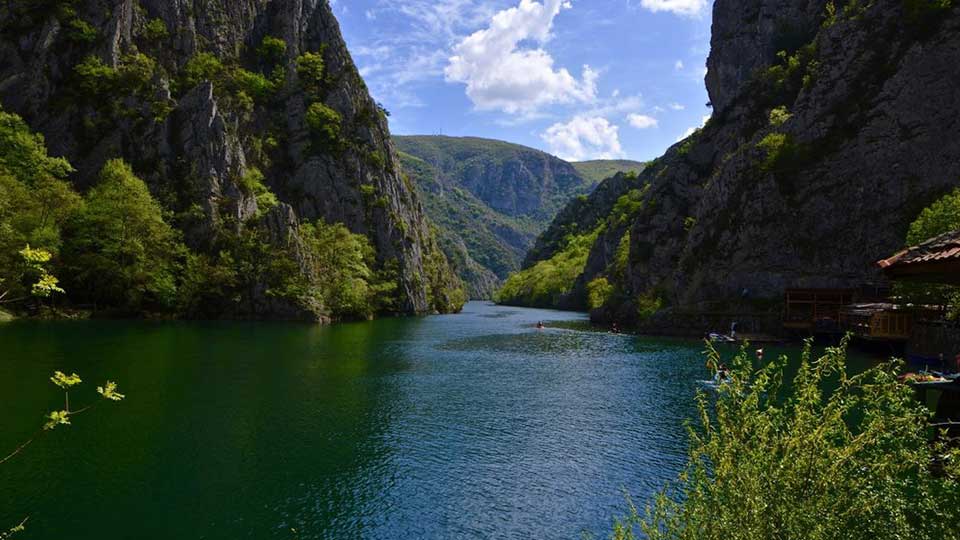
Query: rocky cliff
{"type": "Point", "coordinates": [209, 99]}
{"type": "Point", "coordinates": [834, 125]}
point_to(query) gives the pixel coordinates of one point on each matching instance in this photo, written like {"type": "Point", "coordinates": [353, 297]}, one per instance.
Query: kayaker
{"type": "Point", "coordinates": [540, 325]}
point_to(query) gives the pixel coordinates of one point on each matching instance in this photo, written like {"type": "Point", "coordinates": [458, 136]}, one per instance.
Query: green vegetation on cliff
{"type": "Point", "coordinates": [115, 250]}
{"type": "Point", "coordinates": [548, 282]}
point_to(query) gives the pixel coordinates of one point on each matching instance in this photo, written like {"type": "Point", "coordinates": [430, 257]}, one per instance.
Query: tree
{"type": "Point", "coordinates": [119, 251]}
{"type": "Point", "coordinates": [340, 274]}
{"type": "Point", "coordinates": [941, 217]}
{"type": "Point", "coordinates": [832, 456]}
{"type": "Point", "coordinates": [35, 201]}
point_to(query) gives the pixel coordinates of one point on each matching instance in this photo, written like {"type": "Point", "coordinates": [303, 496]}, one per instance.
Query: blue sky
{"type": "Point", "coordinates": [583, 79]}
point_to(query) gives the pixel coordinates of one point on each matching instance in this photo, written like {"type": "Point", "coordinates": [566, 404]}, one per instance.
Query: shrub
{"type": "Point", "coordinates": [599, 292]}
{"type": "Point", "coordinates": [80, 30]}
{"type": "Point", "coordinates": [778, 148]}
{"type": "Point", "coordinates": [95, 78]}
{"type": "Point", "coordinates": [310, 70]}
{"type": "Point", "coordinates": [648, 305]}
{"type": "Point", "coordinates": [324, 123]}
{"type": "Point", "coordinates": [202, 67]}
{"type": "Point", "coordinates": [830, 456]}
{"type": "Point", "coordinates": [779, 116]}
{"type": "Point", "coordinates": [156, 30]}
{"type": "Point", "coordinates": [272, 49]}
{"type": "Point", "coordinates": [252, 184]}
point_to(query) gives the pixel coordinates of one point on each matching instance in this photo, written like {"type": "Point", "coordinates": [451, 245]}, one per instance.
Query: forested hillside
{"type": "Point", "coordinates": [239, 138]}
{"type": "Point", "coordinates": [490, 199]}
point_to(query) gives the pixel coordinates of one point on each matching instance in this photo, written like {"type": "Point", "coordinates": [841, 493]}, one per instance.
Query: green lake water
{"type": "Point", "coordinates": [469, 426]}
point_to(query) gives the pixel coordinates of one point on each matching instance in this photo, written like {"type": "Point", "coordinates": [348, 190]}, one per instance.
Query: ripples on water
{"type": "Point", "coordinates": [468, 426]}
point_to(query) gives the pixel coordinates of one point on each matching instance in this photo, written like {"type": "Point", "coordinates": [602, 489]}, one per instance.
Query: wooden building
{"type": "Point", "coordinates": [935, 261]}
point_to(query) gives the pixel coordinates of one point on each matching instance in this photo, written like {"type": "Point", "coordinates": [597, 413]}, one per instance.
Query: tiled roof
{"type": "Point", "coordinates": [943, 248]}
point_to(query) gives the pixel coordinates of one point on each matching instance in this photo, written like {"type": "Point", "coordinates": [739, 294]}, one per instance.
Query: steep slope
{"type": "Point", "coordinates": [490, 199]}
{"type": "Point", "coordinates": [833, 127]}
{"type": "Point", "coordinates": [599, 170]}
{"type": "Point", "coordinates": [209, 99]}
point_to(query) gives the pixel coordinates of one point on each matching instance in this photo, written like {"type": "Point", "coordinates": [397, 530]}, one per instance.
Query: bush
{"type": "Point", "coordinates": [251, 184]}
{"type": "Point", "coordinates": [310, 69]}
{"type": "Point", "coordinates": [781, 152]}
{"type": "Point", "coordinates": [599, 292]}
{"type": "Point", "coordinates": [324, 123]}
{"type": "Point", "coordinates": [156, 30]}
{"type": "Point", "coordinates": [779, 116]}
{"type": "Point", "coordinates": [272, 49]}
{"type": "Point", "coordinates": [831, 456]}
{"type": "Point", "coordinates": [94, 78]}
{"type": "Point", "coordinates": [202, 67]}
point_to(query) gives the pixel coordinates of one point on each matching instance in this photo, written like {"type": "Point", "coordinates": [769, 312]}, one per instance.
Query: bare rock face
{"type": "Point", "coordinates": [194, 142]}
{"type": "Point", "coordinates": [866, 136]}
{"type": "Point", "coordinates": [746, 37]}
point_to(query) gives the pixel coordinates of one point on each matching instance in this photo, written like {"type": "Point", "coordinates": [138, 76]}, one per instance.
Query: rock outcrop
{"type": "Point", "coordinates": [813, 166]}
{"type": "Point", "coordinates": [195, 138]}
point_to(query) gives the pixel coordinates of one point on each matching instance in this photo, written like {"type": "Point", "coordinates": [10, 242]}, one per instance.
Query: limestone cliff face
{"type": "Point", "coordinates": [194, 143]}
{"type": "Point", "coordinates": [864, 136]}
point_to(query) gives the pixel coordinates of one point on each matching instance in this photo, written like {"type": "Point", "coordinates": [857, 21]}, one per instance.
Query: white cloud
{"type": "Point", "coordinates": [688, 8]}
{"type": "Point", "coordinates": [678, 65]}
{"type": "Point", "coordinates": [502, 76]}
{"type": "Point", "coordinates": [584, 137]}
{"type": "Point", "coordinates": [692, 130]}
{"type": "Point", "coordinates": [642, 121]}
{"type": "Point", "coordinates": [676, 107]}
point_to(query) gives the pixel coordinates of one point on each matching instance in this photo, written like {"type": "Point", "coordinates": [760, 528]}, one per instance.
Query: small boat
{"type": "Point", "coordinates": [721, 338]}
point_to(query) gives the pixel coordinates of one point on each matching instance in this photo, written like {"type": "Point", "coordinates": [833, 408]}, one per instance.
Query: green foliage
{"type": "Point", "coordinates": [599, 292]}
{"type": "Point", "coordinates": [203, 66]}
{"type": "Point", "coordinates": [119, 251]}
{"type": "Point", "coordinates": [546, 282]}
{"type": "Point", "coordinates": [627, 207]}
{"type": "Point", "coordinates": [941, 217]}
{"type": "Point", "coordinates": [65, 381]}
{"type": "Point", "coordinates": [781, 152]}
{"type": "Point", "coordinates": [648, 305]}
{"type": "Point", "coordinates": [272, 49]}
{"type": "Point", "coordinates": [97, 81]}
{"type": "Point", "coordinates": [779, 116]}
{"type": "Point", "coordinates": [23, 154]}
{"type": "Point", "coordinates": [252, 184]}
{"type": "Point", "coordinates": [94, 77]}
{"type": "Point", "coordinates": [156, 30]}
{"type": "Point", "coordinates": [622, 257]}
{"type": "Point", "coordinates": [35, 201]}
{"type": "Point", "coordinates": [237, 88]}
{"type": "Point", "coordinates": [45, 284]}
{"type": "Point", "coordinates": [80, 30]}
{"type": "Point", "coordinates": [60, 418]}
{"type": "Point", "coordinates": [324, 123]}
{"type": "Point", "coordinates": [310, 70]}
{"type": "Point", "coordinates": [340, 277]}
{"type": "Point", "coordinates": [830, 456]}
